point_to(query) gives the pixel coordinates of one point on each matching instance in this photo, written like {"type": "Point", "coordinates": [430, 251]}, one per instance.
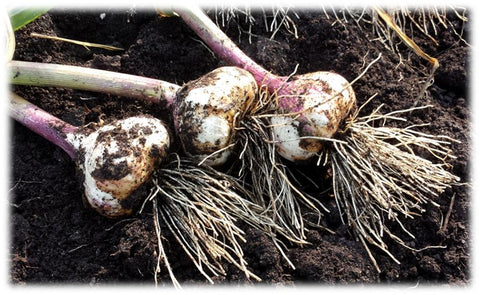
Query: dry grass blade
{"type": "Point", "coordinates": [388, 19]}
{"type": "Point", "coordinates": [82, 43]}
{"type": "Point", "coordinates": [407, 40]}
{"type": "Point", "coordinates": [377, 175]}
{"type": "Point", "coordinates": [419, 19]}
{"type": "Point", "coordinates": [201, 208]}
{"type": "Point", "coordinates": [391, 25]}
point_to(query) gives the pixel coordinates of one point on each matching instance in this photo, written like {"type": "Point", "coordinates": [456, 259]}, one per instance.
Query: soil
{"type": "Point", "coordinates": [55, 238]}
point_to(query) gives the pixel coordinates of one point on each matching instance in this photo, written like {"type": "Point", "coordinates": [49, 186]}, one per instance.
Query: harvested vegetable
{"type": "Point", "coordinates": [191, 200]}
{"type": "Point", "coordinates": [312, 105]}
{"type": "Point", "coordinates": [115, 159]}
{"type": "Point", "coordinates": [207, 112]}
{"type": "Point", "coordinates": [210, 116]}
{"type": "Point", "coordinates": [204, 111]}
{"type": "Point", "coordinates": [377, 174]}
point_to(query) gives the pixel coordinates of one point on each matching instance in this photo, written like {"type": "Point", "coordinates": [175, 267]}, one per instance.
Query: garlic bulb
{"type": "Point", "coordinates": [311, 107]}
{"type": "Point", "coordinates": [207, 110]}
{"type": "Point", "coordinates": [117, 159]}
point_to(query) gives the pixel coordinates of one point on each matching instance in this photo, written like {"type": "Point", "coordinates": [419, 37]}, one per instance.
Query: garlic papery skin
{"type": "Point", "coordinates": [208, 109]}
{"type": "Point", "coordinates": [310, 107]}
{"type": "Point", "coordinates": [117, 159]}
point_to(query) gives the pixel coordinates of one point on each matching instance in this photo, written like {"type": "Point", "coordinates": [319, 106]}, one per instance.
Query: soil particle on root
{"type": "Point", "coordinates": [55, 239]}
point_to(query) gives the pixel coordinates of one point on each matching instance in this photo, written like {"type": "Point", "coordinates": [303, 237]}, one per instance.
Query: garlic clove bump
{"type": "Point", "coordinates": [311, 106]}
{"type": "Point", "coordinates": [117, 159]}
{"type": "Point", "coordinates": [208, 109]}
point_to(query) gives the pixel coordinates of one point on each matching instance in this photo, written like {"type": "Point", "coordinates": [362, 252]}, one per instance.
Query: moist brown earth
{"type": "Point", "coordinates": [55, 238]}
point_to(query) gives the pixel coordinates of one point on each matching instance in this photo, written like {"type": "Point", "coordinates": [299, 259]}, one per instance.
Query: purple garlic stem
{"type": "Point", "coordinates": [225, 48]}
{"type": "Point", "coordinates": [115, 159]}
{"type": "Point", "coordinates": [311, 106]}
{"type": "Point", "coordinates": [43, 123]}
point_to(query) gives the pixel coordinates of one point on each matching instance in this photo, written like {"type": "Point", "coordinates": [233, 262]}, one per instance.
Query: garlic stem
{"type": "Point", "coordinates": [82, 78]}
{"type": "Point", "coordinates": [43, 123]}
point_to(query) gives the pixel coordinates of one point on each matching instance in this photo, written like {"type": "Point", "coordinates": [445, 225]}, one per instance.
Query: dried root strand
{"type": "Point", "coordinates": [391, 26]}
{"type": "Point", "coordinates": [201, 208]}
{"type": "Point", "coordinates": [422, 20]}
{"type": "Point", "coordinates": [162, 256]}
{"type": "Point", "coordinates": [272, 183]}
{"type": "Point", "coordinates": [275, 18]}
{"type": "Point", "coordinates": [377, 176]}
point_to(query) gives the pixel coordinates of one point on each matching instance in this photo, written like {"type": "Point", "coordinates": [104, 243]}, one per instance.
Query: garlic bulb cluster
{"type": "Point", "coordinates": [117, 159]}
{"type": "Point", "coordinates": [310, 107]}
{"type": "Point", "coordinates": [207, 110]}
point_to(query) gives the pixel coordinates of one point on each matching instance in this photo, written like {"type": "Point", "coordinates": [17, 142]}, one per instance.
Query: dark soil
{"type": "Point", "coordinates": [55, 238]}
